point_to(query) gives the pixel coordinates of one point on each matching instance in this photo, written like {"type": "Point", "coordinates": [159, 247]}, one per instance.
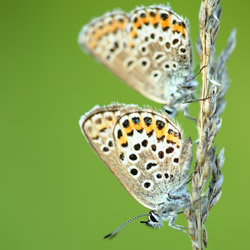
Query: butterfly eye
{"type": "Point", "coordinates": [152, 218]}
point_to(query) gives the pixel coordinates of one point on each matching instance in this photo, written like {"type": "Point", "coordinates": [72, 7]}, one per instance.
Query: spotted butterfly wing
{"type": "Point", "coordinates": [149, 49]}
{"type": "Point", "coordinates": [142, 147]}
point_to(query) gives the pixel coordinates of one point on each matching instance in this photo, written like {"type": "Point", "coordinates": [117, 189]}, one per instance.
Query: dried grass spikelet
{"type": "Point", "coordinates": [215, 84]}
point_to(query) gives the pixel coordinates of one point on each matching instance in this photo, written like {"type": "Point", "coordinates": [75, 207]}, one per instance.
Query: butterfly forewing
{"type": "Point", "coordinates": [149, 49]}
{"type": "Point", "coordinates": [97, 126]}
{"type": "Point", "coordinates": [141, 147]}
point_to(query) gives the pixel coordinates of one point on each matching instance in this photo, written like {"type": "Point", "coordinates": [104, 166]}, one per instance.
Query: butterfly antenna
{"type": "Point", "coordinates": [111, 235]}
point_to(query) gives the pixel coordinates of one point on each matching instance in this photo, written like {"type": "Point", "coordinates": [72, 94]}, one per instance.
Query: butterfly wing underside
{"type": "Point", "coordinates": [143, 149]}
{"type": "Point", "coordinates": [149, 49]}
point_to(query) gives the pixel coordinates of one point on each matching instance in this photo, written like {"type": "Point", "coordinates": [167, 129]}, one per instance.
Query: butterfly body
{"type": "Point", "coordinates": [149, 49]}
{"type": "Point", "coordinates": [145, 151]}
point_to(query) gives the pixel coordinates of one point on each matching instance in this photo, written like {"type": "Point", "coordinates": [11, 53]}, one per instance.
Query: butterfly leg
{"type": "Point", "coordinates": [173, 197]}
{"type": "Point", "coordinates": [183, 198]}
{"type": "Point", "coordinates": [177, 227]}
{"type": "Point", "coordinates": [198, 100]}
{"type": "Point", "coordinates": [189, 85]}
{"type": "Point", "coordinates": [191, 81]}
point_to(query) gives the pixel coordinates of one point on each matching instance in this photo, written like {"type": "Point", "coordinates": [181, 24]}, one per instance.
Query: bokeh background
{"type": "Point", "coordinates": [55, 194]}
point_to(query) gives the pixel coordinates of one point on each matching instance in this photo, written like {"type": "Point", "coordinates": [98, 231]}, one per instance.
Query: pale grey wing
{"type": "Point", "coordinates": [150, 148]}
{"type": "Point", "coordinates": [161, 40]}
{"type": "Point", "coordinates": [149, 49]}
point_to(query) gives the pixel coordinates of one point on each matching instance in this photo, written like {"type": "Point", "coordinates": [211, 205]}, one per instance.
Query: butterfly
{"type": "Point", "coordinates": [149, 49]}
{"type": "Point", "coordinates": [144, 149]}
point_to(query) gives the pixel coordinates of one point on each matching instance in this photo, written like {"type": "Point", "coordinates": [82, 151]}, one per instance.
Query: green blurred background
{"type": "Point", "coordinates": [55, 193]}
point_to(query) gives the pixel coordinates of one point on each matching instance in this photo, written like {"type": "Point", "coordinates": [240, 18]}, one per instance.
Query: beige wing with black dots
{"type": "Point", "coordinates": [149, 49]}
{"type": "Point", "coordinates": [97, 126]}
{"type": "Point", "coordinates": [142, 147]}
{"type": "Point", "coordinates": [150, 146]}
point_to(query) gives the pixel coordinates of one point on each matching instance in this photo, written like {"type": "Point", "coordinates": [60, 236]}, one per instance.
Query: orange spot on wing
{"type": "Point", "coordinates": [166, 23]}
{"type": "Point", "coordinates": [122, 140]}
{"type": "Point", "coordinates": [109, 123]}
{"type": "Point", "coordinates": [101, 127]}
{"type": "Point", "coordinates": [149, 128]}
{"type": "Point", "coordinates": [155, 19]}
{"type": "Point", "coordinates": [97, 35]}
{"type": "Point", "coordinates": [133, 33]}
{"type": "Point", "coordinates": [145, 19]}
{"type": "Point", "coordinates": [160, 133]}
{"type": "Point", "coordinates": [172, 138]}
{"type": "Point", "coordinates": [179, 28]}
{"type": "Point", "coordinates": [128, 129]}
{"type": "Point", "coordinates": [113, 26]}
{"type": "Point", "coordinates": [108, 28]}
{"type": "Point", "coordinates": [137, 24]}
{"type": "Point", "coordinates": [122, 25]}
{"type": "Point", "coordinates": [105, 31]}
{"type": "Point", "coordinates": [131, 44]}
{"type": "Point", "coordinates": [138, 126]}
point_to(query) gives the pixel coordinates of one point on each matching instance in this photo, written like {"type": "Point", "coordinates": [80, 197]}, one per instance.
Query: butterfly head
{"type": "Point", "coordinates": [154, 220]}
